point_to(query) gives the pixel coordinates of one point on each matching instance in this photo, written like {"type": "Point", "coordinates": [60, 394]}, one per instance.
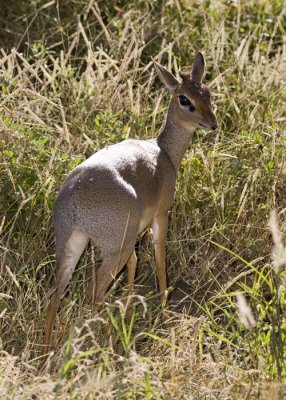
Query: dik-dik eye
{"type": "Point", "coordinates": [184, 101]}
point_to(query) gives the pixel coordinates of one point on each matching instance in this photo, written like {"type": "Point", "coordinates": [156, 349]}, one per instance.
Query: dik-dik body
{"type": "Point", "coordinates": [116, 193]}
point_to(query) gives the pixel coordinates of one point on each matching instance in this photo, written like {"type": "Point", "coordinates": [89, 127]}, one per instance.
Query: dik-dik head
{"type": "Point", "coordinates": [190, 97]}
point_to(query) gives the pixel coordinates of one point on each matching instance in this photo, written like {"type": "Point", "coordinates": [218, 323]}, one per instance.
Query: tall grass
{"type": "Point", "coordinates": [80, 77]}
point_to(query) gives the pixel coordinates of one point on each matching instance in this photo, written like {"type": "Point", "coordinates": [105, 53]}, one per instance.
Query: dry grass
{"type": "Point", "coordinates": [91, 82]}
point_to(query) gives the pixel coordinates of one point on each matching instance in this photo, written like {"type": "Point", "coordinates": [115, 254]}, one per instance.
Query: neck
{"type": "Point", "coordinates": [174, 139]}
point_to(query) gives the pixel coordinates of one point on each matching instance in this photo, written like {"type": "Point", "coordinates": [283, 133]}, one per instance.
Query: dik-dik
{"type": "Point", "coordinates": [116, 193]}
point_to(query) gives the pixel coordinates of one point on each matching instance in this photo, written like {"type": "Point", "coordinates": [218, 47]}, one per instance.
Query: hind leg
{"type": "Point", "coordinates": [116, 244]}
{"type": "Point", "coordinates": [73, 249]}
{"type": "Point", "coordinates": [105, 275]}
{"type": "Point", "coordinates": [102, 279]}
{"type": "Point", "coordinates": [111, 265]}
{"type": "Point", "coordinates": [131, 269]}
{"type": "Point", "coordinates": [91, 288]}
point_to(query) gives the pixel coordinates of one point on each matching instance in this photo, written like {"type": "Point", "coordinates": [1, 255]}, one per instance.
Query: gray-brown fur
{"type": "Point", "coordinates": [117, 192]}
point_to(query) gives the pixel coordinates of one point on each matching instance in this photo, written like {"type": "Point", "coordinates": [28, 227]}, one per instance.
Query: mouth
{"type": "Point", "coordinates": [209, 128]}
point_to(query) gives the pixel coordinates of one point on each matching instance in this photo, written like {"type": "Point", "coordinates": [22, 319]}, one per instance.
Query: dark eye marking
{"type": "Point", "coordinates": [191, 107]}
{"type": "Point", "coordinates": [184, 101]}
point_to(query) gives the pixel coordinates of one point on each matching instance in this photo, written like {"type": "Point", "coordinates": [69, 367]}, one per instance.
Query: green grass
{"type": "Point", "coordinates": [74, 85]}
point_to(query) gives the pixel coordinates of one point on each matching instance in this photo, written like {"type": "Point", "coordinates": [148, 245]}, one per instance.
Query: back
{"type": "Point", "coordinates": [136, 166]}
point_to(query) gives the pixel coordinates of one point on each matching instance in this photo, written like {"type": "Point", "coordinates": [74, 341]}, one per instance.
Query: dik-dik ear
{"type": "Point", "coordinates": [166, 77]}
{"type": "Point", "coordinates": [198, 68]}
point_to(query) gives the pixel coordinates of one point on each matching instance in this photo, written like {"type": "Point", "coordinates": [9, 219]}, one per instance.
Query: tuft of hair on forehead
{"type": "Point", "coordinates": [189, 82]}
{"type": "Point", "coordinates": [187, 78]}
{"type": "Point", "coordinates": [185, 75]}
{"type": "Point", "coordinates": [194, 88]}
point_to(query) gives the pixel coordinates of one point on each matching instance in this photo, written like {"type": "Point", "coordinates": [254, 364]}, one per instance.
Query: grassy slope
{"type": "Point", "coordinates": [76, 85]}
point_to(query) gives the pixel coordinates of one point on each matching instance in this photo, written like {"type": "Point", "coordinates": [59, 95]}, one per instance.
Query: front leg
{"type": "Point", "coordinates": [159, 228]}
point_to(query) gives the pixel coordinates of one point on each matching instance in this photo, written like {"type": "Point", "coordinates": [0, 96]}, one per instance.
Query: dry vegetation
{"type": "Point", "coordinates": [76, 76]}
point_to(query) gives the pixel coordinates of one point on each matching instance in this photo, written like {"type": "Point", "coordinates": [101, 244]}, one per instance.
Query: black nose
{"type": "Point", "coordinates": [214, 127]}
